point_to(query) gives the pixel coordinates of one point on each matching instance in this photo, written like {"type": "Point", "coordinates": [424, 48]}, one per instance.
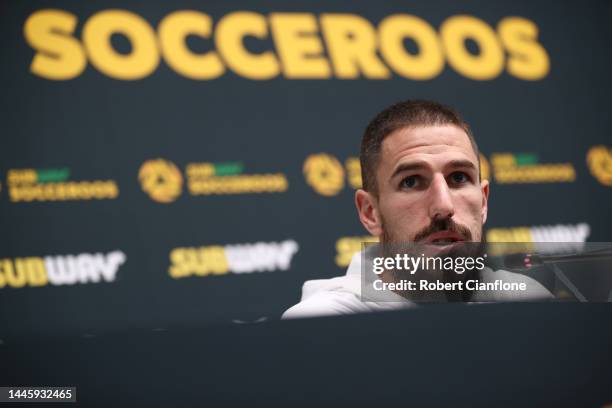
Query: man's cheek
{"type": "Point", "coordinates": [403, 228]}
{"type": "Point", "coordinates": [472, 204]}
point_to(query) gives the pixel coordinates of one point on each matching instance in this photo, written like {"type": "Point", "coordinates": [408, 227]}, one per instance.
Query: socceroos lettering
{"type": "Point", "coordinates": [303, 45]}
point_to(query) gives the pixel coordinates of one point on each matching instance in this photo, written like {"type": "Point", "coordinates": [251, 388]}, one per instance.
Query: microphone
{"type": "Point", "coordinates": [527, 261]}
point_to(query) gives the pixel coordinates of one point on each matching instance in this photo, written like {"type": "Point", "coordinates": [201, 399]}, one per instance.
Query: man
{"type": "Point", "coordinates": [421, 184]}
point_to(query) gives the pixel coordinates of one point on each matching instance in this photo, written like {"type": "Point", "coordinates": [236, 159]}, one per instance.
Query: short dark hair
{"type": "Point", "coordinates": [410, 113]}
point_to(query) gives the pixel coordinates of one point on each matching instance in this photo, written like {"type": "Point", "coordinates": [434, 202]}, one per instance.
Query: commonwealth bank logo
{"type": "Point", "coordinates": [161, 180]}
{"type": "Point", "coordinates": [599, 160]}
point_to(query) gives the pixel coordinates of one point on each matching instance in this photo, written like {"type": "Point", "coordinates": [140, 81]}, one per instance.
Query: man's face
{"type": "Point", "coordinates": [428, 188]}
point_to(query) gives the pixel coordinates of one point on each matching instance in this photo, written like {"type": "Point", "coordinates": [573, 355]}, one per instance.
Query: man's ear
{"type": "Point", "coordinates": [367, 207]}
{"type": "Point", "coordinates": [484, 185]}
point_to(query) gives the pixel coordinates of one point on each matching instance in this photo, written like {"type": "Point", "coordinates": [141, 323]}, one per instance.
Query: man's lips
{"type": "Point", "coordinates": [443, 236]}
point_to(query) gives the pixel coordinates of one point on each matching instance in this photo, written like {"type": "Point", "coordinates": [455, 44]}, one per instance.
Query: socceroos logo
{"type": "Point", "coordinates": [510, 168]}
{"type": "Point", "coordinates": [54, 184]}
{"type": "Point", "coordinates": [599, 160]}
{"type": "Point", "coordinates": [324, 173]}
{"type": "Point", "coordinates": [161, 180]}
{"type": "Point", "coordinates": [230, 178]}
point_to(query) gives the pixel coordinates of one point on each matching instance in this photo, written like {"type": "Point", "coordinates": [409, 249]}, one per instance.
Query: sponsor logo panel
{"type": "Point", "coordinates": [566, 237]}
{"type": "Point", "coordinates": [26, 185]}
{"type": "Point", "coordinates": [161, 179]}
{"type": "Point", "coordinates": [163, 182]}
{"type": "Point", "coordinates": [228, 178]}
{"type": "Point", "coordinates": [510, 168]}
{"type": "Point", "coordinates": [325, 174]}
{"type": "Point", "coordinates": [231, 259]}
{"type": "Point", "coordinates": [58, 270]}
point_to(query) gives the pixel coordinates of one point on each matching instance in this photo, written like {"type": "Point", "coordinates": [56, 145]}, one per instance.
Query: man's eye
{"type": "Point", "coordinates": [410, 182]}
{"type": "Point", "coordinates": [459, 177]}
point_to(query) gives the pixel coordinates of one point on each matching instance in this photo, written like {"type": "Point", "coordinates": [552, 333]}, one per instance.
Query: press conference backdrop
{"type": "Point", "coordinates": [191, 163]}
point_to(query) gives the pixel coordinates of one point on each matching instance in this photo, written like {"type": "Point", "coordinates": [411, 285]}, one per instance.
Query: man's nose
{"type": "Point", "coordinates": [441, 203]}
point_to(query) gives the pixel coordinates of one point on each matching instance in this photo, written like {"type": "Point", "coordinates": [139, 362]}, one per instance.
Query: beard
{"type": "Point", "coordinates": [446, 224]}
{"type": "Point", "coordinates": [393, 244]}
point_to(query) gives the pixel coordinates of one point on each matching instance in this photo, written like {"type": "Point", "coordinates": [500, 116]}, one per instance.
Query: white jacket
{"type": "Point", "coordinates": [343, 295]}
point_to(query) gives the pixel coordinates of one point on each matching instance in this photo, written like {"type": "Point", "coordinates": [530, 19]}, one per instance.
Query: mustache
{"type": "Point", "coordinates": [445, 224]}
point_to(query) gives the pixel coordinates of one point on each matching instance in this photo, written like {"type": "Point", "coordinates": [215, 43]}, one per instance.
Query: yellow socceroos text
{"type": "Point", "coordinates": [28, 185]}
{"type": "Point", "coordinates": [163, 182]}
{"type": "Point", "coordinates": [74, 190]}
{"type": "Point", "coordinates": [507, 170]}
{"type": "Point", "coordinates": [303, 46]}
{"type": "Point", "coordinates": [203, 181]}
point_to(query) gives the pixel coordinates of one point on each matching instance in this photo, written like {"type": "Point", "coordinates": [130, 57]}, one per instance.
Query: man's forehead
{"type": "Point", "coordinates": [432, 140]}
